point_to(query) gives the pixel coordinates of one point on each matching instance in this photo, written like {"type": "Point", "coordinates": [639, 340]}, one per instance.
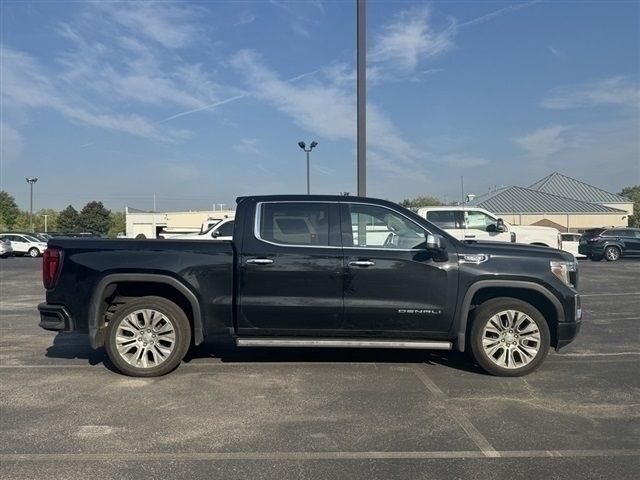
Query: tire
{"type": "Point", "coordinates": [595, 258]}
{"type": "Point", "coordinates": [530, 339]}
{"type": "Point", "coordinates": [34, 252]}
{"type": "Point", "coordinates": [612, 254]}
{"type": "Point", "coordinates": [154, 350]}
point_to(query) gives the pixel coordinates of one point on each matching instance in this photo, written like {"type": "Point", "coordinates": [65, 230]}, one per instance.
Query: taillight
{"type": "Point", "coordinates": [50, 267]}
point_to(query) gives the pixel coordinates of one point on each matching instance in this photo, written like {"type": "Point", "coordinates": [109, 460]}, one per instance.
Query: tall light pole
{"type": "Point", "coordinates": [303, 146]}
{"type": "Point", "coordinates": [361, 92]}
{"type": "Point", "coordinates": [31, 181]}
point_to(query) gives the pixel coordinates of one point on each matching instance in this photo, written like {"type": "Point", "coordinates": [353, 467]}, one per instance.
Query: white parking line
{"type": "Point", "coordinates": [608, 294]}
{"type": "Point", "coordinates": [142, 457]}
{"type": "Point", "coordinates": [456, 415]}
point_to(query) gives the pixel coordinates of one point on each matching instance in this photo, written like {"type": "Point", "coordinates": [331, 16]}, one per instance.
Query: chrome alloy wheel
{"type": "Point", "coordinates": [511, 339]}
{"type": "Point", "coordinates": [612, 254]}
{"type": "Point", "coordinates": [145, 338]}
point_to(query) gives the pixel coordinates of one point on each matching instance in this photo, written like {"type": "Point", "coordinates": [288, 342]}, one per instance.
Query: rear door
{"type": "Point", "coordinates": [19, 243]}
{"type": "Point", "coordinates": [291, 269]}
{"type": "Point", "coordinates": [392, 283]}
{"type": "Point", "coordinates": [451, 221]}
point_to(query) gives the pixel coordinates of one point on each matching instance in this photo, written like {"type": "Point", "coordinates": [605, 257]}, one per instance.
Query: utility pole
{"type": "Point", "coordinates": [361, 87]}
{"type": "Point", "coordinates": [45, 222]}
{"type": "Point", "coordinates": [31, 181]}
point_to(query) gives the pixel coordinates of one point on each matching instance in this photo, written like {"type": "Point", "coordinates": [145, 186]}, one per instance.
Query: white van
{"type": "Point", "coordinates": [473, 223]}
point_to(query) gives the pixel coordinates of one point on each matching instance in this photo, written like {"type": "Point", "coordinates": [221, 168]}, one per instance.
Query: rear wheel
{"type": "Point", "coordinates": [509, 337]}
{"type": "Point", "coordinates": [34, 252]}
{"type": "Point", "coordinates": [148, 337]}
{"type": "Point", "coordinates": [612, 254]}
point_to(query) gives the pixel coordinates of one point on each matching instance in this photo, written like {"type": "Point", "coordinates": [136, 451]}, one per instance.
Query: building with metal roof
{"type": "Point", "coordinates": [558, 201]}
{"type": "Point", "coordinates": [559, 184]}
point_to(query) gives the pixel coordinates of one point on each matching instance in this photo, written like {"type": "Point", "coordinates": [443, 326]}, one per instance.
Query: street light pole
{"type": "Point", "coordinates": [361, 94]}
{"type": "Point", "coordinates": [45, 222]}
{"type": "Point", "coordinates": [31, 181]}
{"type": "Point", "coordinates": [303, 146]}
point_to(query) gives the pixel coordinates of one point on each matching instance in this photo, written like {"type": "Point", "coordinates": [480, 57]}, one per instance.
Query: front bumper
{"type": "Point", "coordinates": [55, 318]}
{"type": "Point", "coordinates": [568, 331]}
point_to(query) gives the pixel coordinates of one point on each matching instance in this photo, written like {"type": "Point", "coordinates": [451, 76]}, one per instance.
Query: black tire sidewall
{"type": "Point", "coordinates": [166, 307]}
{"type": "Point", "coordinates": [482, 315]}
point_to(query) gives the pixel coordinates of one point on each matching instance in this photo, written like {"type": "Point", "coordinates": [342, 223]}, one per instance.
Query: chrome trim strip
{"type": "Point", "coordinates": [339, 343]}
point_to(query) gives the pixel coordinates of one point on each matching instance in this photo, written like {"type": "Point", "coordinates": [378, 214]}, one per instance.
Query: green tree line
{"type": "Point", "coordinates": [93, 217]}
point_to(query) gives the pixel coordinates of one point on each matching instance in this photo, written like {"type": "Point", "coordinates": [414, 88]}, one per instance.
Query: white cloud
{"type": "Point", "coordinates": [556, 52]}
{"type": "Point", "coordinates": [546, 141]}
{"type": "Point", "coordinates": [618, 90]}
{"type": "Point", "coordinates": [25, 85]}
{"type": "Point", "coordinates": [408, 39]}
{"type": "Point", "coordinates": [301, 16]}
{"type": "Point", "coordinates": [11, 143]}
{"type": "Point", "coordinates": [498, 13]}
{"type": "Point", "coordinates": [169, 24]}
{"type": "Point", "coordinates": [320, 106]}
{"type": "Point", "coordinates": [248, 145]}
{"type": "Point", "coordinates": [245, 18]}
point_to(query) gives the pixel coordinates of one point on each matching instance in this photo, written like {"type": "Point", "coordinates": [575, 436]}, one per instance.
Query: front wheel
{"type": "Point", "coordinates": [148, 337]}
{"type": "Point", "coordinates": [34, 252]}
{"type": "Point", "coordinates": [509, 337]}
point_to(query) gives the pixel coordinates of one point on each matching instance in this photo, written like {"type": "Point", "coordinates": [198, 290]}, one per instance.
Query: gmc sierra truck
{"type": "Point", "coordinates": [314, 271]}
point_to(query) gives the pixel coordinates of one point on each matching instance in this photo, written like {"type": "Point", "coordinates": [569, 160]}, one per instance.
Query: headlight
{"type": "Point", "coordinates": [563, 269]}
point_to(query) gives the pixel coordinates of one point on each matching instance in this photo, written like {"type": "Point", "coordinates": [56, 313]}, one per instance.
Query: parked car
{"type": "Point", "coordinates": [24, 244]}
{"type": "Point", "coordinates": [570, 243]}
{"type": "Point", "coordinates": [6, 250]}
{"type": "Point", "coordinates": [610, 243]}
{"type": "Point", "coordinates": [304, 271]}
{"type": "Point", "coordinates": [474, 223]}
{"type": "Point", "coordinates": [222, 230]}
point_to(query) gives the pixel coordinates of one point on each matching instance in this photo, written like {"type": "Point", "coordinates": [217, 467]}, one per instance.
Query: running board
{"type": "Point", "coordinates": [339, 343]}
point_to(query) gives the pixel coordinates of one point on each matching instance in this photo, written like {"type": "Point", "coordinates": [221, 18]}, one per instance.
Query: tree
{"type": "Point", "coordinates": [95, 218]}
{"type": "Point", "coordinates": [418, 202]}
{"type": "Point", "coordinates": [118, 224]}
{"type": "Point", "coordinates": [633, 194]}
{"type": "Point", "coordinates": [9, 211]}
{"type": "Point", "coordinates": [69, 220]}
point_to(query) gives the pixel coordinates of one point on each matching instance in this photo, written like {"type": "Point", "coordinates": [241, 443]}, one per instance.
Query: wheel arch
{"type": "Point", "coordinates": [142, 285]}
{"type": "Point", "coordinates": [532, 293]}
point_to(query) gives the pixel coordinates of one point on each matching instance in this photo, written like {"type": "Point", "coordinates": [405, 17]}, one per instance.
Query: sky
{"type": "Point", "coordinates": [200, 102]}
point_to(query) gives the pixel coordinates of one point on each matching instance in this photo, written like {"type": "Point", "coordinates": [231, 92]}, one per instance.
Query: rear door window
{"type": "Point", "coordinates": [445, 219]}
{"type": "Point", "coordinates": [293, 223]}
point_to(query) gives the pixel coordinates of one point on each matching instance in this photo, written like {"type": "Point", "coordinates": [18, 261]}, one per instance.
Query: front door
{"type": "Point", "coordinates": [291, 270]}
{"type": "Point", "coordinates": [480, 226]}
{"type": "Point", "coordinates": [392, 283]}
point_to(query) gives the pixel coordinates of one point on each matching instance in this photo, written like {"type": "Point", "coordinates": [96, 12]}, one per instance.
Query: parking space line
{"type": "Point", "coordinates": [608, 294]}
{"type": "Point", "coordinates": [141, 457]}
{"type": "Point", "coordinates": [456, 414]}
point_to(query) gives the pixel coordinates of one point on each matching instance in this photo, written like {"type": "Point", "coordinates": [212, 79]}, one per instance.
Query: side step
{"type": "Point", "coordinates": [342, 343]}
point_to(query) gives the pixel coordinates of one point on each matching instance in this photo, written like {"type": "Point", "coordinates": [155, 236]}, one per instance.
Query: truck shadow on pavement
{"type": "Point", "coordinates": [76, 346]}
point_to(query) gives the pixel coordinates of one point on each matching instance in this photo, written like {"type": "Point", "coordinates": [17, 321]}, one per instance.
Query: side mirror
{"type": "Point", "coordinates": [500, 226]}
{"type": "Point", "coordinates": [433, 243]}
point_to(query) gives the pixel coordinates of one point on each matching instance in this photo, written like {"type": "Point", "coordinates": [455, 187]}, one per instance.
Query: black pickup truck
{"type": "Point", "coordinates": [314, 271]}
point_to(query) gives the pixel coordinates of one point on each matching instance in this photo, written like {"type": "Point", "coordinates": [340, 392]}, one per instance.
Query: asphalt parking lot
{"type": "Point", "coordinates": [319, 414]}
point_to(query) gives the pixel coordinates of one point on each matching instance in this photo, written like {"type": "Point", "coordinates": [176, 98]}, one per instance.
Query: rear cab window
{"type": "Point", "coordinates": [304, 224]}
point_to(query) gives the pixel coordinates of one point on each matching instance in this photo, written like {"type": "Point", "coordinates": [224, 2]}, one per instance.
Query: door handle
{"type": "Point", "coordinates": [260, 261]}
{"type": "Point", "coordinates": [362, 263]}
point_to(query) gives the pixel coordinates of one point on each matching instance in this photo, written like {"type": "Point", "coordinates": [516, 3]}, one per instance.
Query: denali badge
{"type": "Point", "coordinates": [425, 311]}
